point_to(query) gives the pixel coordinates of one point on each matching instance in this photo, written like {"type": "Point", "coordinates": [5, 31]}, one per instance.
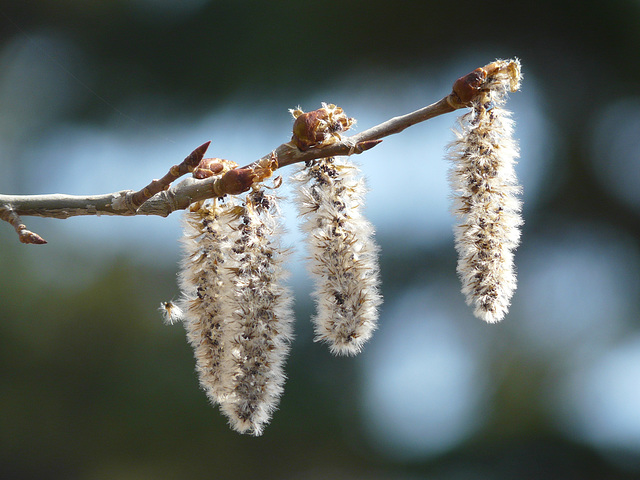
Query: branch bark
{"type": "Point", "coordinates": [161, 198]}
{"type": "Point", "coordinates": [183, 194]}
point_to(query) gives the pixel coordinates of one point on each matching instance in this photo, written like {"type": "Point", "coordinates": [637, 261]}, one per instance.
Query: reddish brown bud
{"type": "Point", "coordinates": [29, 237]}
{"type": "Point", "coordinates": [236, 181]}
{"type": "Point", "coordinates": [467, 87]}
{"type": "Point", "coordinates": [313, 128]}
{"type": "Point", "coordinates": [208, 167]}
{"type": "Point", "coordinates": [194, 157]}
{"type": "Point", "coordinates": [366, 145]}
{"type": "Point", "coordinates": [306, 132]}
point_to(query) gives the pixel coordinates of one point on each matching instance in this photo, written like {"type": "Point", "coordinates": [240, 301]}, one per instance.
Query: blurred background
{"type": "Point", "coordinates": [98, 96]}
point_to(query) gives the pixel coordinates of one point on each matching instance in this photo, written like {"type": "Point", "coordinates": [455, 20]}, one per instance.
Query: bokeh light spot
{"type": "Point", "coordinates": [423, 391]}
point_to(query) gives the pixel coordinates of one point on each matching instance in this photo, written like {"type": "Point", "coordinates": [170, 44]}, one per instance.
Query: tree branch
{"type": "Point", "coordinates": [160, 198]}
{"type": "Point", "coordinates": [191, 190]}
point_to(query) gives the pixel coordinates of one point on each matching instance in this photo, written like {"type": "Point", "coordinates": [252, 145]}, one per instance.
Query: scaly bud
{"type": "Point", "coordinates": [480, 82]}
{"type": "Point", "coordinates": [319, 127]}
{"type": "Point", "coordinates": [236, 181]}
{"type": "Point", "coordinates": [210, 167]}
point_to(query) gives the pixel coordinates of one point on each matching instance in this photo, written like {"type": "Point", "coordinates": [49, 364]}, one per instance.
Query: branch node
{"type": "Point", "coordinates": [129, 202]}
{"type": "Point", "coordinates": [265, 167]}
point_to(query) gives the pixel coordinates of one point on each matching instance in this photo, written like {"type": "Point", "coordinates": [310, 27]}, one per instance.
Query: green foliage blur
{"type": "Point", "coordinates": [94, 386]}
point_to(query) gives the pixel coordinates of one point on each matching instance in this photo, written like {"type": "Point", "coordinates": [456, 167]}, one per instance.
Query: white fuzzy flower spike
{"type": "Point", "coordinates": [261, 320]}
{"type": "Point", "coordinates": [204, 294]}
{"type": "Point", "coordinates": [486, 196]}
{"type": "Point", "coordinates": [344, 256]}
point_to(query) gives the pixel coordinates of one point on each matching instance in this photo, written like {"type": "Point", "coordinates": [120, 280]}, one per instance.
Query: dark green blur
{"type": "Point", "coordinates": [94, 386]}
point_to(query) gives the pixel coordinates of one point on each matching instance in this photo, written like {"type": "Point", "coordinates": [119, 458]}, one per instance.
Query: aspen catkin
{"type": "Point", "coordinates": [343, 254]}
{"type": "Point", "coordinates": [261, 319]}
{"type": "Point", "coordinates": [204, 294]}
{"type": "Point", "coordinates": [486, 190]}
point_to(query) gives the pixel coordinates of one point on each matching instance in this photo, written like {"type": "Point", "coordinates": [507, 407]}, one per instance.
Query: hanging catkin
{"type": "Point", "coordinates": [261, 317]}
{"type": "Point", "coordinates": [343, 254]}
{"type": "Point", "coordinates": [486, 196]}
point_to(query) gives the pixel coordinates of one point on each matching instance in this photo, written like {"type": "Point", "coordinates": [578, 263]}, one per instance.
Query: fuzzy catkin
{"type": "Point", "coordinates": [343, 254]}
{"type": "Point", "coordinates": [204, 294]}
{"type": "Point", "coordinates": [260, 324]}
{"type": "Point", "coordinates": [486, 198]}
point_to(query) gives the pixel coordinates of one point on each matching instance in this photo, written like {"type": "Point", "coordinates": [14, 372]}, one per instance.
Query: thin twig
{"type": "Point", "coordinates": [183, 194]}
{"type": "Point", "coordinates": [161, 198]}
{"type": "Point", "coordinates": [289, 154]}
{"type": "Point", "coordinates": [25, 236]}
{"type": "Point", "coordinates": [188, 165]}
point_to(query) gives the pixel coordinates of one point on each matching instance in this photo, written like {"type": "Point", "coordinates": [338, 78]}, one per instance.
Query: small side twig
{"type": "Point", "coordinates": [187, 166]}
{"type": "Point", "coordinates": [25, 236]}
